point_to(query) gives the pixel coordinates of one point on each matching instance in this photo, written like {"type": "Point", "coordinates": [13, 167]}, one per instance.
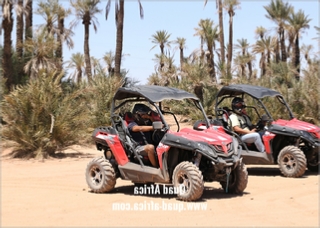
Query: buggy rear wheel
{"type": "Point", "coordinates": [188, 180]}
{"type": "Point", "coordinates": [100, 175]}
{"type": "Point", "coordinates": [292, 162]}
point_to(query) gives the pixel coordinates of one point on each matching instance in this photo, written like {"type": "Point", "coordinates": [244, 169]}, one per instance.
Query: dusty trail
{"type": "Point", "coordinates": [53, 193]}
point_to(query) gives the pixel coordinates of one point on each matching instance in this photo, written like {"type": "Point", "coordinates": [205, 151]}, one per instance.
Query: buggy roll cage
{"type": "Point", "coordinates": [279, 97]}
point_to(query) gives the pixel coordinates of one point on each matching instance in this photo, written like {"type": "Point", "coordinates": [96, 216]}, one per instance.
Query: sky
{"type": "Point", "coordinates": [178, 18]}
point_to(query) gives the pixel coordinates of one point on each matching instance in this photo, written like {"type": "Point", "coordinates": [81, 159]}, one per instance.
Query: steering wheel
{"type": "Point", "coordinates": [221, 111]}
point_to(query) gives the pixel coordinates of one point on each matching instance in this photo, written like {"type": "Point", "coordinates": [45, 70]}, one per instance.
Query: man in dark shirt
{"type": "Point", "coordinates": [142, 134]}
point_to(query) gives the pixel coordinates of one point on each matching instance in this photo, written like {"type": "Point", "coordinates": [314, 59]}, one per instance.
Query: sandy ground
{"type": "Point", "coordinates": [54, 193]}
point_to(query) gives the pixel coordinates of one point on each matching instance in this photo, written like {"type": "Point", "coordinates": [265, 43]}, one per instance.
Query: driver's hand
{"type": "Point", "coordinates": [254, 130]}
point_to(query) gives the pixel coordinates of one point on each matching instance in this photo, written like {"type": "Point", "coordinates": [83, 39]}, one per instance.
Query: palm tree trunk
{"type": "Point", "coordinates": [297, 58]}
{"type": "Point", "coordinates": [181, 59]}
{"type": "Point", "coordinates": [263, 64]}
{"type": "Point", "coordinates": [7, 23]}
{"type": "Point", "coordinates": [19, 42]}
{"type": "Point", "coordinates": [230, 43]}
{"type": "Point", "coordinates": [221, 32]}
{"type": "Point", "coordinates": [28, 20]}
{"type": "Point", "coordinates": [283, 46]}
{"type": "Point", "coordinates": [119, 42]}
{"type": "Point", "coordinates": [202, 51]}
{"type": "Point", "coordinates": [277, 52]}
{"type": "Point", "coordinates": [28, 29]}
{"type": "Point", "coordinates": [59, 51]}
{"type": "Point", "coordinates": [87, 50]}
{"type": "Point", "coordinates": [212, 71]}
{"type": "Point", "coordinates": [79, 76]}
{"type": "Point", "coordinates": [250, 69]}
{"type": "Point", "coordinates": [19, 32]}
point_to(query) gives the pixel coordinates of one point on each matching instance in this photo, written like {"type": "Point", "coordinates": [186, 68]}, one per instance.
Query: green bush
{"type": "Point", "coordinates": [41, 118]}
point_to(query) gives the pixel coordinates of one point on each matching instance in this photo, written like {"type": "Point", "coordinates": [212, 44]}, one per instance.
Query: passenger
{"type": "Point", "coordinates": [241, 124]}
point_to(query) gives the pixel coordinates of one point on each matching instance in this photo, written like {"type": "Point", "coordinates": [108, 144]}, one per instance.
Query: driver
{"type": "Point", "coordinates": [241, 125]}
{"type": "Point", "coordinates": [142, 133]}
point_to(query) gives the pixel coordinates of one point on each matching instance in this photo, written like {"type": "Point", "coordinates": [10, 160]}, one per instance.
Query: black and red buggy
{"type": "Point", "coordinates": [292, 144]}
{"type": "Point", "coordinates": [186, 157]}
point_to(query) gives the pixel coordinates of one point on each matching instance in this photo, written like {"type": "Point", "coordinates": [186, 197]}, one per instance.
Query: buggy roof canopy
{"type": "Point", "coordinates": [254, 91]}
{"type": "Point", "coordinates": [153, 93]}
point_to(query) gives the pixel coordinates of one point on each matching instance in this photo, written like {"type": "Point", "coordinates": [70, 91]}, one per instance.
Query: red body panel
{"type": "Point", "coordinates": [161, 148]}
{"type": "Point", "coordinates": [115, 146]}
{"type": "Point", "coordinates": [210, 136]}
{"type": "Point", "coordinates": [267, 137]}
{"type": "Point", "coordinates": [300, 125]}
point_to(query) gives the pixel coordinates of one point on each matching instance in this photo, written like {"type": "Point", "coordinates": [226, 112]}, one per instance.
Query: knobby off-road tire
{"type": "Point", "coordinates": [292, 161]}
{"type": "Point", "coordinates": [100, 175]}
{"type": "Point", "coordinates": [188, 178]}
{"type": "Point", "coordinates": [238, 180]}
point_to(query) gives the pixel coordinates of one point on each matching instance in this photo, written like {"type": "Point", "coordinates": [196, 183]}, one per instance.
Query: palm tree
{"type": "Point", "coordinates": [230, 6]}
{"type": "Point", "coordinates": [97, 68]}
{"type": "Point", "coordinates": [160, 60]}
{"type": "Point", "coordinates": [260, 32]}
{"type": "Point", "coordinates": [28, 20]}
{"type": "Point", "coordinates": [210, 35]}
{"type": "Point", "coordinates": [199, 32]}
{"type": "Point", "coordinates": [197, 77]}
{"type": "Point", "coordinates": [85, 11]}
{"type": "Point", "coordinates": [54, 15]}
{"type": "Point", "coordinates": [306, 49]}
{"type": "Point", "coordinates": [240, 62]}
{"type": "Point", "coordinates": [279, 12]}
{"type": "Point", "coordinates": [221, 31]}
{"type": "Point", "coordinates": [48, 10]}
{"type": "Point", "coordinates": [109, 60]}
{"type": "Point", "coordinates": [119, 8]}
{"type": "Point", "coordinates": [181, 45]}
{"type": "Point", "coordinates": [298, 21]}
{"type": "Point", "coordinates": [7, 25]}
{"type": "Point", "coordinates": [28, 33]}
{"type": "Point", "coordinates": [265, 47]}
{"type": "Point", "coordinates": [243, 45]}
{"type": "Point", "coordinates": [19, 30]}
{"type": "Point", "coordinates": [63, 34]}
{"type": "Point", "coordinates": [76, 62]}
{"type": "Point", "coordinates": [161, 38]}
{"type": "Point", "coordinates": [43, 47]}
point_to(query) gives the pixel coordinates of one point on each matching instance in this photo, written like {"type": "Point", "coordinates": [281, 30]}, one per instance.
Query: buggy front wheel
{"type": "Point", "coordinates": [188, 179]}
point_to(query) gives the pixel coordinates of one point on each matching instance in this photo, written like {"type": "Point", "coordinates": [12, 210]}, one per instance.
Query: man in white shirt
{"type": "Point", "coordinates": [241, 125]}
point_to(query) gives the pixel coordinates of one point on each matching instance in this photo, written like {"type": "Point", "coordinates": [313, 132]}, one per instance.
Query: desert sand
{"type": "Point", "coordinates": [54, 193]}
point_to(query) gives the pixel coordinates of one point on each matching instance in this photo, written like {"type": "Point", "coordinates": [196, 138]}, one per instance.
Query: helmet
{"type": "Point", "coordinates": [138, 111]}
{"type": "Point", "coordinates": [141, 109]}
{"type": "Point", "coordinates": [237, 105]}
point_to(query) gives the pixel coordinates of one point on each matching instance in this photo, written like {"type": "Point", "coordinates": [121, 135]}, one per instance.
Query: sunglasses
{"type": "Point", "coordinates": [240, 105]}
